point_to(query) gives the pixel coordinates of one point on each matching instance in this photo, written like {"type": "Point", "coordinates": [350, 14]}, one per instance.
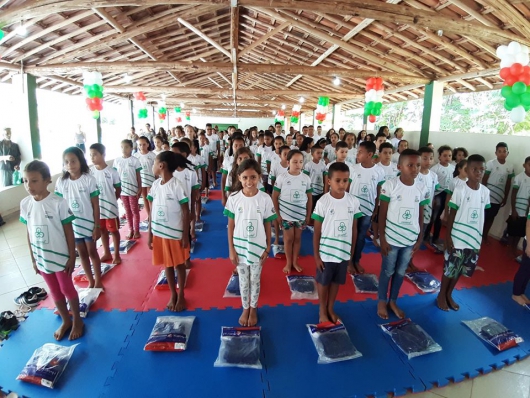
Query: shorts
{"type": "Point", "coordinates": [333, 273]}
{"type": "Point", "coordinates": [459, 262]}
{"type": "Point", "coordinates": [516, 228]}
{"type": "Point", "coordinates": [315, 200]}
{"type": "Point", "coordinates": [492, 212]}
{"type": "Point", "coordinates": [84, 239]}
{"type": "Point", "coordinates": [287, 225]}
{"type": "Point", "coordinates": [169, 252]}
{"type": "Point", "coordinates": [109, 225]}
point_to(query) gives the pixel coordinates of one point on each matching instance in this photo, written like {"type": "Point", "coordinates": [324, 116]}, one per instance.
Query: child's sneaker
{"type": "Point", "coordinates": [27, 299]}
{"type": "Point", "coordinates": [39, 292]}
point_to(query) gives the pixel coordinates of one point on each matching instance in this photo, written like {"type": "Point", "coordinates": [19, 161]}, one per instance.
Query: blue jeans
{"type": "Point", "coordinates": [363, 223]}
{"type": "Point", "coordinates": [393, 269]}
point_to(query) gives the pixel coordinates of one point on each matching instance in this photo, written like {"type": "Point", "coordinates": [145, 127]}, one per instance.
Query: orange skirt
{"type": "Point", "coordinates": [169, 252]}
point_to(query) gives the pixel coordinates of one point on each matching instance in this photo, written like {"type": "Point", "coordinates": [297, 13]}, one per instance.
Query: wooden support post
{"type": "Point", "coordinates": [98, 130]}
{"type": "Point", "coordinates": [131, 111]}
{"type": "Point", "coordinates": [432, 110]}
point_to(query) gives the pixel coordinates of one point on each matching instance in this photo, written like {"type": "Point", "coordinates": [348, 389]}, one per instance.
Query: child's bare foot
{"type": "Point", "coordinates": [359, 268]}
{"type": "Point", "coordinates": [129, 235]}
{"type": "Point", "coordinates": [525, 298]}
{"type": "Point", "coordinates": [398, 311]}
{"type": "Point", "coordinates": [253, 317]}
{"type": "Point", "coordinates": [243, 319]}
{"type": "Point", "coordinates": [116, 260]}
{"type": "Point", "coordinates": [323, 316]}
{"type": "Point", "coordinates": [91, 284]}
{"type": "Point", "coordinates": [188, 263]}
{"type": "Point", "coordinates": [519, 299]}
{"type": "Point", "coordinates": [77, 330]}
{"type": "Point", "coordinates": [451, 303]}
{"type": "Point", "coordinates": [441, 302]}
{"type": "Point", "coordinates": [106, 257]}
{"type": "Point", "coordinates": [59, 333]}
{"type": "Point", "coordinates": [99, 285]}
{"type": "Point", "coordinates": [297, 268]}
{"type": "Point", "coordinates": [137, 235]}
{"type": "Point", "coordinates": [234, 271]}
{"type": "Point", "coordinates": [287, 269]}
{"type": "Point", "coordinates": [351, 269]}
{"type": "Point", "coordinates": [181, 304]}
{"type": "Point", "coordinates": [382, 310]}
{"type": "Point", "coordinates": [333, 317]}
{"type": "Point", "coordinates": [171, 304]}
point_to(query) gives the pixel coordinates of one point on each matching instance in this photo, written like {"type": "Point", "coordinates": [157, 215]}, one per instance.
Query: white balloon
{"type": "Point", "coordinates": [502, 51]}
{"type": "Point", "coordinates": [514, 47]}
{"type": "Point", "coordinates": [517, 115]}
{"type": "Point", "coordinates": [524, 49]}
{"type": "Point", "coordinates": [509, 60]}
{"type": "Point", "coordinates": [525, 59]}
{"type": "Point", "coordinates": [519, 58]}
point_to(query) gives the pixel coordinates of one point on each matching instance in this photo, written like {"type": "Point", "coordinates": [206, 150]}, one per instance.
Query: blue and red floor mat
{"type": "Point", "coordinates": [110, 360]}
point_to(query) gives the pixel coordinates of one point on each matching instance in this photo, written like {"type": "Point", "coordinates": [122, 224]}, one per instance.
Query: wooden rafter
{"type": "Point", "coordinates": [234, 47]}
{"type": "Point", "coordinates": [204, 37]}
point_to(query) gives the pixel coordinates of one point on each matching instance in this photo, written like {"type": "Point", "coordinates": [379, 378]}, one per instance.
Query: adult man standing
{"type": "Point", "coordinates": [10, 158]}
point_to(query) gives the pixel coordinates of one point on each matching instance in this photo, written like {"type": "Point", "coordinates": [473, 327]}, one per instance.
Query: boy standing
{"type": "Point", "coordinates": [335, 216]}
{"type": "Point", "coordinates": [520, 201]}
{"type": "Point", "coordinates": [400, 224]}
{"type": "Point", "coordinates": [385, 155]}
{"type": "Point", "coordinates": [341, 153]}
{"type": "Point", "coordinates": [464, 230]}
{"type": "Point", "coordinates": [498, 180]}
{"type": "Point", "coordinates": [366, 181]}
{"type": "Point", "coordinates": [315, 170]}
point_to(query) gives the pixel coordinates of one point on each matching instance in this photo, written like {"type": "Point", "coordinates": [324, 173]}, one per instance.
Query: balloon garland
{"type": "Point", "coordinates": [295, 114]}
{"type": "Point", "coordinates": [178, 116]}
{"type": "Point", "coordinates": [516, 75]}
{"type": "Point", "coordinates": [280, 117]}
{"type": "Point", "coordinates": [141, 104]}
{"type": "Point", "coordinates": [322, 109]}
{"type": "Point", "coordinates": [373, 98]}
{"type": "Point", "coordinates": [162, 110]}
{"type": "Point", "coordinates": [93, 85]}
{"type": "Point", "coordinates": [188, 116]}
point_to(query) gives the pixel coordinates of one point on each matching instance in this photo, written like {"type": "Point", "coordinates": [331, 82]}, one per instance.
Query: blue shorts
{"type": "Point", "coordinates": [84, 239]}
{"type": "Point", "coordinates": [333, 273]}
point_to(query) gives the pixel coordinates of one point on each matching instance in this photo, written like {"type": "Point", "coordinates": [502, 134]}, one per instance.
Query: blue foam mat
{"type": "Point", "coordinates": [92, 361]}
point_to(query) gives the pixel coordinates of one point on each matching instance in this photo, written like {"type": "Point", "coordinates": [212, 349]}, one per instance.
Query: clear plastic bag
{"type": "Point", "coordinates": [278, 251]}
{"type": "Point", "coordinates": [161, 283]}
{"type": "Point", "coordinates": [170, 333]}
{"type": "Point", "coordinates": [144, 226]}
{"type": "Point", "coordinates": [494, 333]}
{"type": "Point", "coordinates": [411, 338]}
{"type": "Point", "coordinates": [125, 246]}
{"type": "Point", "coordinates": [332, 343]}
{"type": "Point", "coordinates": [81, 276]}
{"type": "Point", "coordinates": [240, 347]}
{"type": "Point", "coordinates": [302, 287]}
{"type": "Point", "coordinates": [424, 281]}
{"type": "Point", "coordinates": [365, 283]}
{"type": "Point", "coordinates": [232, 289]}
{"type": "Point", "coordinates": [46, 365]}
{"type": "Point", "coordinates": [87, 297]}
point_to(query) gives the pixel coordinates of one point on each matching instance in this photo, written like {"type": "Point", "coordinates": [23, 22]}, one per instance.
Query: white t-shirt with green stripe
{"type": "Point", "coordinates": [272, 159]}
{"type": "Point", "coordinates": [336, 216]}
{"type": "Point", "coordinates": [315, 171]}
{"type": "Point", "coordinates": [293, 191]}
{"type": "Point", "coordinates": [521, 182]}
{"type": "Point", "coordinates": [146, 161]}
{"type": "Point", "coordinates": [166, 208]}
{"type": "Point", "coordinates": [364, 183]}
{"type": "Point", "coordinates": [329, 152]}
{"type": "Point", "coordinates": [264, 153]}
{"type": "Point", "coordinates": [430, 180]}
{"type": "Point", "coordinates": [198, 163]}
{"type": "Point", "coordinates": [352, 155]}
{"type": "Point", "coordinates": [350, 166]}
{"type": "Point", "coordinates": [402, 218]}
{"type": "Point", "coordinates": [276, 170]}
{"type": "Point", "coordinates": [444, 174]}
{"type": "Point", "coordinates": [127, 168]}
{"type": "Point", "coordinates": [390, 171]}
{"type": "Point", "coordinates": [45, 219]}
{"type": "Point", "coordinates": [226, 167]}
{"type": "Point", "coordinates": [206, 152]}
{"type": "Point", "coordinates": [107, 180]}
{"type": "Point", "coordinates": [455, 182]}
{"type": "Point", "coordinates": [79, 193]}
{"type": "Point", "coordinates": [188, 180]}
{"type": "Point", "coordinates": [249, 215]}
{"type": "Point", "coordinates": [469, 219]}
{"type": "Point", "coordinates": [498, 175]}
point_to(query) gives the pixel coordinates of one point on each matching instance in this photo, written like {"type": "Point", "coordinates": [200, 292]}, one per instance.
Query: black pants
{"type": "Point", "coordinates": [522, 277]}
{"type": "Point", "coordinates": [437, 209]}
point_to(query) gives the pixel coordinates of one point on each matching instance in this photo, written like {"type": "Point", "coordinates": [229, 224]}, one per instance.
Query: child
{"type": "Point", "coordinates": [289, 140]}
{"type": "Point", "coordinates": [385, 161]}
{"type": "Point", "coordinates": [52, 244]}
{"type": "Point", "coordinates": [464, 231]}
{"type": "Point", "coordinates": [129, 168]}
{"type": "Point", "coordinates": [274, 157]}
{"type": "Point", "coordinates": [329, 150]}
{"type": "Point", "coordinates": [299, 141]}
{"type": "Point", "coordinates": [262, 154]}
{"type": "Point", "coordinates": [400, 224]}
{"type": "Point", "coordinates": [335, 216]}
{"type": "Point", "coordinates": [379, 139]}
{"type": "Point", "coordinates": [305, 149]}
{"type": "Point", "coordinates": [519, 202]}
{"type": "Point", "coordinates": [80, 190]}
{"type": "Point", "coordinates": [444, 170]}
{"type": "Point", "coordinates": [169, 224]}
{"type": "Point", "coordinates": [237, 142]}
{"type": "Point", "coordinates": [213, 140]}
{"type": "Point", "coordinates": [292, 200]}
{"type": "Point", "coordinates": [367, 179]}
{"type": "Point", "coordinates": [147, 159]}
{"type": "Point", "coordinates": [159, 141]}
{"type": "Point", "coordinates": [109, 186]}
{"type": "Point", "coordinates": [498, 180]}
{"type": "Point", "coordinates": [349, 138]}
{"type": "Point", "coordinates": [200, 168]}
{"type": "Point", "coordinates": [341, 152]}
{"type": "Point", "coordinates": [315, 170]}
{"type": "Point", "coordinates": [459, 154]}
{"type": "Point", "coordinates": [259, 143]}
{"type": "Point", "coordinates": [459, 178]}
{"type": "Point", "coordinates": [398, 136]}
{"type": "Point", "coordinates": [403, 144]}
{"type": "Point", "coordinates": [520, 281]}
{"type": "Point", "coordinates": [249, 213]}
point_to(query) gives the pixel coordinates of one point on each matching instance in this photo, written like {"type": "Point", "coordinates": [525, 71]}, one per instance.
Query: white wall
{"type": "Point", "coordinates": [242, 122]}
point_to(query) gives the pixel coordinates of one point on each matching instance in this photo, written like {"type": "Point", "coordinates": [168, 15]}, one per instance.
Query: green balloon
{"type": "Point", "coordinates": [2, 34]}
{"type": "Point", "coordinates": [95, 114]}
{"type": "Point", "coordinates": [91, 94]}
{"type": "Point", "coordinates": [519, 88]}
{"type": "Point", "coordinates": [506, 91]}
{"type": "Point", "coordinates": [507, 107]}
{"type": "Point", "coordinates": [367, 112]}
{"type": "Point", "coordinates": [378, 105]}
{"type": "Point", "coordinates": [525, 98]}
{"type": "Point", "coordinates": [513, 101]}
{"type": "Point", "coordinates": [526, 107]}
{"type": "Point", "coordinates": [377, 112]}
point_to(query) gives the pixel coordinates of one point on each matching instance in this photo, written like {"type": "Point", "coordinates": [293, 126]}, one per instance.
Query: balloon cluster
{"type": "Point", "coordinates": [162, 110]}
{"type": "Point", "coordinates": [516, 75]}
{"type": "Point", "coordinates": [373, 98]}
{"type": "Point", "coordinates": [188, 115]}
{"type": "Point", "coordinates": [178, 116]}
{"type": "Point", "coordinates": [93, 85]}
{"type": "Point", "coordinates": [141, 105]}
{"type": "Point", "coordinates": [295, 114]}
{"type": "Point", "coordinates": [322, 109]}
{"type": "Point", "coordinates": [280, 117]}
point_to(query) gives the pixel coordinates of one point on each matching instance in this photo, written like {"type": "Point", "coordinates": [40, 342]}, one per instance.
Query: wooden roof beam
{"type": "Point", "coordinates": [234, 46]}
{"type": "Point", "coordinates": [204, 37]}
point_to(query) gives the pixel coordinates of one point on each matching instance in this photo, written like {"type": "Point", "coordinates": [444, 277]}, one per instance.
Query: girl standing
{"type": "Point", "coordinates": [249, 213]}
{"type": "Point", "coordinates": [237, 142]}
{"type": "Point", "coordinates": [292, 198]}
{"type": "Point", "coordinates": [329, 150]}
{"type": "Point", "coordinates": [52, 244]}
{"type": "Point", "coordinates": [200, 167]}
{"type": "Point", "coordinates": [80, 190]}
{"type": "Point", "coordinates": [240, 156]}
{"type": "Point", "coordinates": [305, 150]}
{"type": "Point", "coordinates": [262, 155]}
{"type": "Point", "coordinates": [147, 159]}
{"type": "Point", "coordinates": [350, 139]}
{"type": "Point", "coordinates": [361, 136]}
{"type": "Point", "coordinates": [169, 224]}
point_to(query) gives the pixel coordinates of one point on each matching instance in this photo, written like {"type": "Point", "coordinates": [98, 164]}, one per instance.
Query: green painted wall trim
{"type": "Point", "coordinates": [33, 116]}
{"type": "Point", "coordinates": [427, 112]}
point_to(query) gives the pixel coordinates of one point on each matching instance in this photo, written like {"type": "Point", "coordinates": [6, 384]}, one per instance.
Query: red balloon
{"type": "Point", "coordinates": [526, 69]}
{"type": "Point", "coordinates": [371, 81]}
{"type": "Point", "coordinates": [378, 87]}
{"type": "Point", "coordinates": [505, 73]}
{"type": "Point", "coordinates": [88, 101]}
{"type": "Point", "coordinates": [372, 118]}
{"type": "Point", "coordinates": [369, 87]}
{"type": "Point", "coordinates": [91, 107]}
{"type": "Point", "coordinates": [379, 81]}
{"type": "Point", "coordinates": [516, 69]}
{"type": "Point", "coordinates": [510, 81]}
{"type": "Point", "coordinates": [525, 78]}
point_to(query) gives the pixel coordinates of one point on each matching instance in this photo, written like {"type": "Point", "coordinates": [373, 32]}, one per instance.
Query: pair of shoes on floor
{"type": "Point", "coordinates": [2, 222]}
{"type": "Point", "coordinates": [32, 297]}
{"type": "Point", "coordinates": [8, 323]}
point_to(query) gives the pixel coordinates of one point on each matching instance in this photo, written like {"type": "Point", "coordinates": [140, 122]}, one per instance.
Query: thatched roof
{"type": "Point", "coordinates": [254, 55]}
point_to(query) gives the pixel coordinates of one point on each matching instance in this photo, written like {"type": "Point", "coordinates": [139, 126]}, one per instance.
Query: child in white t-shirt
{"type": "Point", "coordinates": [200, 168]}
{"type": "Point", "coordinates": [274, 156]}
{"type": "Point", "coordinates": [329, 150]}
{"type": "Point", "coordinates": [349, 139]}
{"type": "Point", "coordinates": [262, 154]}
{"type": "Point", "coordinates": [464, 230]}
{"type": "Point", "coordinates": [459, 178]}
{"type": "Point", "coordinates": [236, 143]}
{"type": "Point", "coordinates": [403, 144]}
{"type": "Point", "coordinates": [147, 159]}
{"type": "Point", "coordinates": [341, 152]}
{"type": "Point", "coordinates": [249, 213]}
{"type": "Point", "coordinates": [315, 169]}
{"type": "Point", "coordinates": [385, 161]}
{"type": "Point", "coordinates": [520, 201]}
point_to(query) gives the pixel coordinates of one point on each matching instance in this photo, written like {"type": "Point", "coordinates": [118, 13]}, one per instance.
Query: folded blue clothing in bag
{"type": "Point", "coordinates": [232, 289]}
{"type": "Point", "coordinates": [302, 287]}
{"type": "Point", "coordinates": [411, 339]}
{"type": "Point", "coordinates": [424, 281]}
{"type": "Point", "coordinates": [240, 347]}
{"type": "Point", "coordinates": [494, 333]}
{"type": "Point", "coordinates": [332, 343]}
{"type": "Point", "coordinates": [365, 283]}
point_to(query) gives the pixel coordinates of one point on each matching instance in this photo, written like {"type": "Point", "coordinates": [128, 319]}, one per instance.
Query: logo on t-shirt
{"type": "Point", "coordinates": [75, 206]}
{"type": "Point", "coordinates": [363, 189]}
{"type": "Point", "coordinates": [161, 214]}
{"type": "Point", "coordinates": [341, 228]}
{"type": "Point", "coordinates": [40, 234]}
{"type": "Point", "coordinates": [405, 215]}
{"type": "Point", "coordinates": [250, 228]}
{"type": "Point", "coordinates": [296, 196]}
{"type": "Point", "coordinates": [473, 216]}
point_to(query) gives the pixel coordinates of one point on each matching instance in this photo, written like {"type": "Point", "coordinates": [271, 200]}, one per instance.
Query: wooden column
{"type": "Point", "coordinates": [432, 110]}
{"type": "Point", "coordinates": [98, 130]}
{"type": "Point", "coordinates": [131, 111]}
